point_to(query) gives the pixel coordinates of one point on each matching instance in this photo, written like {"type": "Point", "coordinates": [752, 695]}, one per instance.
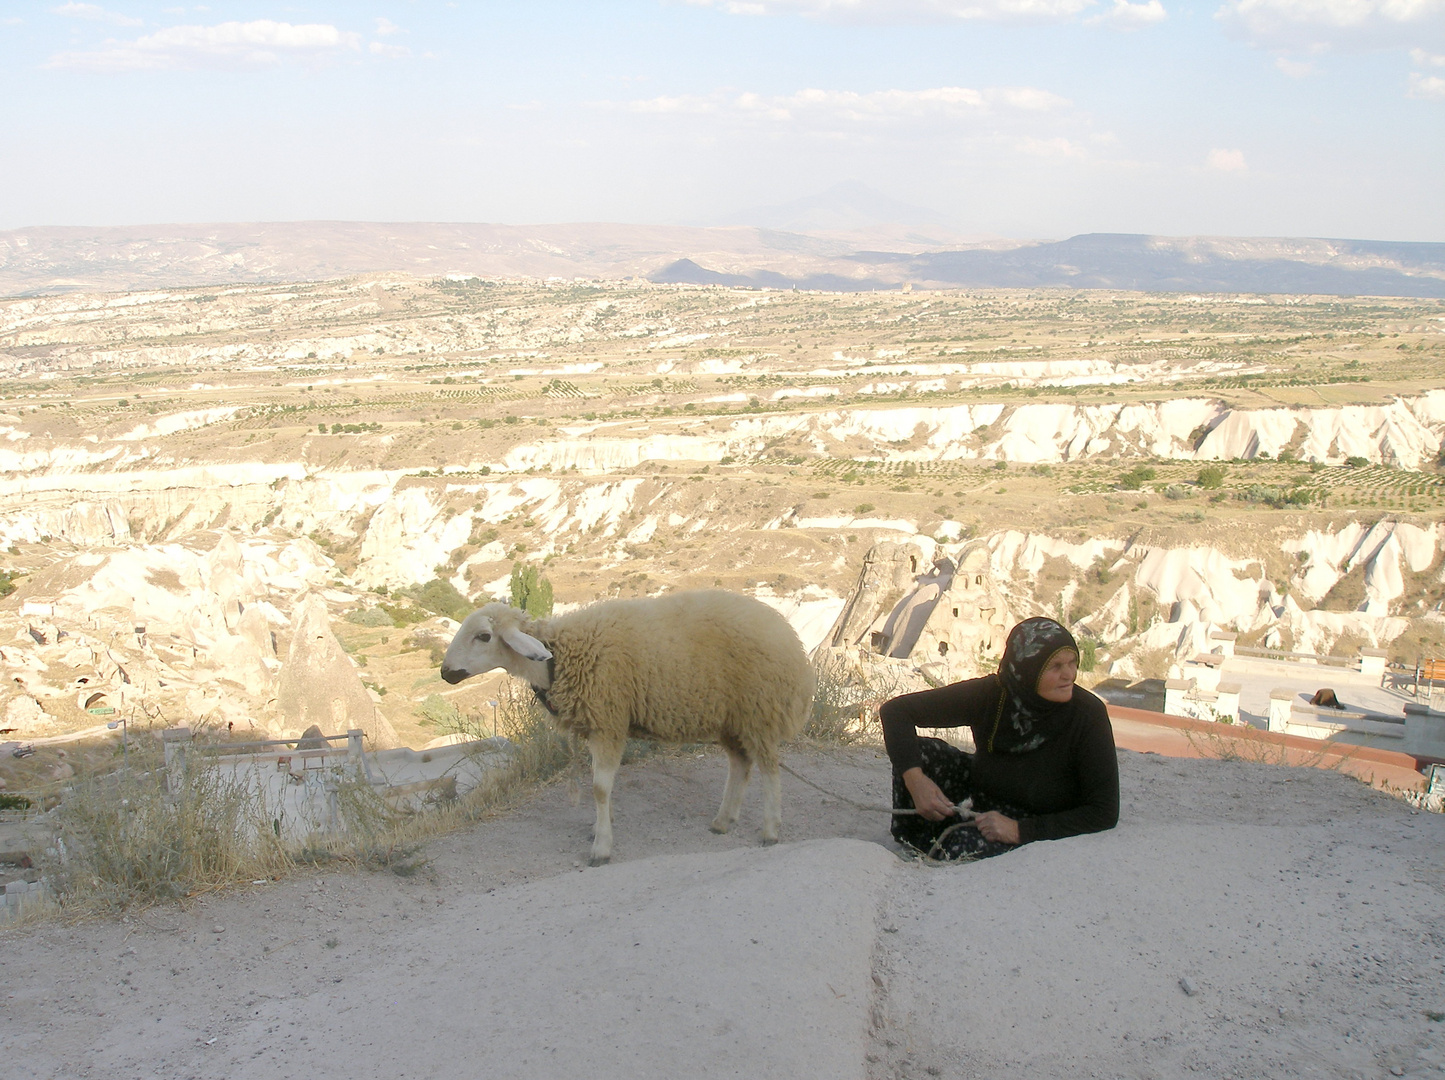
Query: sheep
{"type": "Point", "coordinates": [684, 667]}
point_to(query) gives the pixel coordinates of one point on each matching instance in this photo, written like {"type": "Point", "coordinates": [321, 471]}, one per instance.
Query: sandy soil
{"type": "Point", "coordinates": [1303, 910]}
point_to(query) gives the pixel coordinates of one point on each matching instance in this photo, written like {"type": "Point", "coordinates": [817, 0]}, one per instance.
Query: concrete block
{"type": "Point", "coordinates": [1372, 662]}
{"type": "Point", "coordinates": [1222, 642]}
{"type": "Point", "coordinates": [1424, 731]}
{"type": "Point", "coordinates": [1176, 693]}
{"type": "Point", "coordinates": [1205, 671]}
{"type": "Point", "coordinates": [1281, 701]}
{"type": "Point", "coordinates": [1227, 706]}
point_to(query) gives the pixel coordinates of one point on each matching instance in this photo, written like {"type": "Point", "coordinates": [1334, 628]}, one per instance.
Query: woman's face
{"type": "Point", "coordinates": [1056, 682]}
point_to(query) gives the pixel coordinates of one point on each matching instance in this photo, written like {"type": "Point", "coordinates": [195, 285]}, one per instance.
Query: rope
{"type": "Point", "coordinates": [964, 811]}
{"type": "Point", "coordinates": [844, 799]}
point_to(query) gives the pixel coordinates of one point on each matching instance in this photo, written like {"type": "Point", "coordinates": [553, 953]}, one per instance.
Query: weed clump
{"type": "Point", "coordinates": [846, 699]}
{"type": "Point", "coordinates": [140, 835]}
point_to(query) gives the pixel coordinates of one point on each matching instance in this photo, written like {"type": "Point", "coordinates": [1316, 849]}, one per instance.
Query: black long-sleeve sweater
{"type": "Point", "coordinates": [1068, 786]}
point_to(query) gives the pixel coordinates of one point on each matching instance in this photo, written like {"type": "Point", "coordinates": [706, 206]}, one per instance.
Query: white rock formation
{"type": "Point", "coordinates": [319, 684]}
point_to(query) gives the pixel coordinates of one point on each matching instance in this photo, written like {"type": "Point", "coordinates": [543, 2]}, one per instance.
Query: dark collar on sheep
{"type": "Point", "coordinates": [551, 678]}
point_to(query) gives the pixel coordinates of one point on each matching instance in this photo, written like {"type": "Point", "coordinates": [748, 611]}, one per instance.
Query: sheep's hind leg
{"type": "Point", "coordinates": [606, 757]}
{"type": "Point", "coordinates": [740, 767]}
{"type": "Point", "coordinates": [772, 781]}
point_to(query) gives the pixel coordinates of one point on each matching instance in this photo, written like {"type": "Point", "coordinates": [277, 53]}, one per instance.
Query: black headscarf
{"type": "Point", "coordinates": [1024, 721]}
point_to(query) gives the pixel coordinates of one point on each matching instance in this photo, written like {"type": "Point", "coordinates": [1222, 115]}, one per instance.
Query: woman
{"type": "Point", "coordinates": [1044, 765]}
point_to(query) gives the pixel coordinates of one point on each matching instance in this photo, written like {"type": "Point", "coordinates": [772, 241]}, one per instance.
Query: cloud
{"type": "Point", "coordinates": [385, 26]}
{"type": "Point", "coordinates": [231, 46]}
{"type": "Point", "coordinates": [1057, 147]}
{"type": "Point", "coordinates": [1421, 58]}
{"type": "Point", "coordinates": [1426, 87]}
{"type": "Point", "coordinates": [95, 13]}
{"type": "Point", "coordinates": [1316, 25]}
{"type": "Point", "coordinates": [1226, 160]}
{"type": "Point", "coordinates": [379, 48]}
{"type": "Point", "coordinates": [1126, 16]}
{"type": "Point", "coordinates": [910, 11]}
{"type": "Point", "coordinates": [1295, 69]}
{"type": "Point", "coordinates": [853, 107]}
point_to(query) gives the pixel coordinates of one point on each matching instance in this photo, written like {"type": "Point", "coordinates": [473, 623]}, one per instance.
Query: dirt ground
{"type": "Point", "coordinates": [1243, 920]}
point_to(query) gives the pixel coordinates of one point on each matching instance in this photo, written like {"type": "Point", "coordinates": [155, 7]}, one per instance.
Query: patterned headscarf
{"type": "Point", "coordinates": [1024, 721]}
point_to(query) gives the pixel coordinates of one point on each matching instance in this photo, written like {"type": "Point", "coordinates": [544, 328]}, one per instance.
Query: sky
{"type": "Point", "coordinates": [1020, 118]}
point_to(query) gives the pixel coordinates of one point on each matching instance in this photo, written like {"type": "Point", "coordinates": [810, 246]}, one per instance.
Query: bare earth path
{"type": "Point", "coordinates": [1304, 910]}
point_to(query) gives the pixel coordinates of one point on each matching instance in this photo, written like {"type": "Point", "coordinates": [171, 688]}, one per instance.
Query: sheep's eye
{"type": "Point", "coordinates": [484, 636]}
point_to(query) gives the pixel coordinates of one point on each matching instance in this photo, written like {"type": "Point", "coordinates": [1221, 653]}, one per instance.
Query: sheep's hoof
{"type": "Point", "coordinates": [769, 841]}
{"type": "Point", "coordinates": [599, 860]}
{"type": "Point", "coordinates": [720, 827]}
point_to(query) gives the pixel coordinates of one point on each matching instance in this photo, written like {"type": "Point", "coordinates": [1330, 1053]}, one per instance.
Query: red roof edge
{"type": "Point", "coordinates": [1184, 736]}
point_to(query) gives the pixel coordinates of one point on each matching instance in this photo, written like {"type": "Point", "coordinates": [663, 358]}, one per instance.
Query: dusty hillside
{"type": "Point", "coordinates": [1301, 910]}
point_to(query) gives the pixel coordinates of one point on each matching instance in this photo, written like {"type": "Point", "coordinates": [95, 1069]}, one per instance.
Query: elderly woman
{"type": "Point", "coordinates": [1044, 765]}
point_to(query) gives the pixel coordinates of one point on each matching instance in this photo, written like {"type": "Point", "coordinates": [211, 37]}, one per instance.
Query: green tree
{"type": "Point", "coordinates": [531, 591]}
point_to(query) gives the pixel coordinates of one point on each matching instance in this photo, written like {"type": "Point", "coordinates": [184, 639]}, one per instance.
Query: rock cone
{"type": "Point", "coordinates": [319, 684]}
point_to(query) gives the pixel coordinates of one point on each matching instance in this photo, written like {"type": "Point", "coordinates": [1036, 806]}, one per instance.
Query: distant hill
{"type": "Point", "coordinates": [872, 256]}
{"type": "Point", "coordinates": [1133, 262]}
{"type": "Point", "coordinates": [1193, 264]}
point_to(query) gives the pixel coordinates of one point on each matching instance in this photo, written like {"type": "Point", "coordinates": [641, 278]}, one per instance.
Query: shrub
{"type": "Point", "coordinates": [439, 711]}
{"type": "Point", "coordinates": [863, 508]}
{"type": "Point", "coordinates": [1136, 477]}
{"type": "Point", "coordinates": [441, 598]}
{"type": "Point", "coordinates": [405, 614]}
{"type": "Point", "coordinates": [1211, 477]}
{"type": "Point", "coordinates": [373, 616]}
{"type": "Point", "coordinates": [1088, 654]}
{"type": "Point", "coordinates": [1356, 462]}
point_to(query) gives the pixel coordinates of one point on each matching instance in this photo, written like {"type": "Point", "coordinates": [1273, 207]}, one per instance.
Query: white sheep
{"type": "Point", "coordinates": [685, 667]}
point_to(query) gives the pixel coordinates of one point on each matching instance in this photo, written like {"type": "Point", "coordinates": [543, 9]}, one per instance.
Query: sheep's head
{"type": "Point", "coordinates": [491, 637]}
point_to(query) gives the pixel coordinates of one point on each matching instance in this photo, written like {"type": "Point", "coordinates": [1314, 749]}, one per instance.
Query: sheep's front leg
{"type": "Point", "coordinates": [740, 767]}
{"type": "Point", "coordinates": [772, 781]}
{"type": "Point", "coordinates": [606, 757]}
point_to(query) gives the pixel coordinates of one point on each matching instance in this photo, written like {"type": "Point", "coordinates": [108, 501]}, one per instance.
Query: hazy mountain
{"type": "Point", "coordinates": [1144, 263]}
{"type": "Point", "coordinates": [1191, 264]}
{"type": "Point", "coordinates": [48, 260]}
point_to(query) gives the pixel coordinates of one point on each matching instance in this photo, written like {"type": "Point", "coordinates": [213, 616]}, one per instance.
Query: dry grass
{"type": "Point", "coordinates": [847, 698]}
{"type": "Point", "coordinates": [126, 839]}
{"type": "Point", "coordinates": [381, 836]}
{"type": "Point", "coordinates": [1263, 752]}
{"type": "Point", "coordinates": [1330, 756]}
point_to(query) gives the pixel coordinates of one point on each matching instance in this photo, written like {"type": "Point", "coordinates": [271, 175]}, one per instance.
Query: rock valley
{"type": "Point", "coordinates": [182, 468]}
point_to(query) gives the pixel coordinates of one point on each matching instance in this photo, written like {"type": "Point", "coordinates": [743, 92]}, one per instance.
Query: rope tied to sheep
{"type": "Point", "coordinates": [964, 810]}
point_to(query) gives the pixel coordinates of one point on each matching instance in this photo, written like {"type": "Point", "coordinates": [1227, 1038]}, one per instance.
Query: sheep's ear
{"type": "Point", "coordinates": [525, 645]}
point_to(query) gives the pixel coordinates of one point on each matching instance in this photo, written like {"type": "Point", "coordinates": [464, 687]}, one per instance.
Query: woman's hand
{"type": "Point", "coordinates": [996, 826]}
{"type": "Point", "coordinates": [928, 799]}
